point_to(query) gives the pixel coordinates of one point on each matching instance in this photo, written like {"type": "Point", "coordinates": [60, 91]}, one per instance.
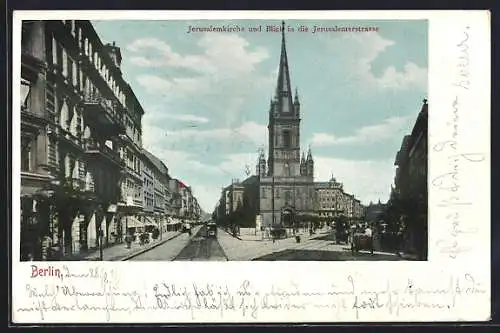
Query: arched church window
{"type": "Point", "coordinates": [287, 140]}
{"type": "Point", "coordinates": [288, 196]}
{"type": "Point", "coordinates": [287, 170]}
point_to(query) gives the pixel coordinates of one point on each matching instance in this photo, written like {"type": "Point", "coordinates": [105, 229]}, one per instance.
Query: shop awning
{"type": "Point", "coordinates": [28, 191]}
{"type": "Point", "coordinates": [131, 209]}
{"type": "Point", "coordinates": [149, 221]}
{"type": "Point", "coordinates": [133, 222]}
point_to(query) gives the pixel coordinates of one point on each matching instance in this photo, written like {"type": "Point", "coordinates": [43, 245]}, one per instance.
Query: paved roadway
{"type": "Point", "coordinates": [202, 248]}
{"type": "Point", "coordinates": [167, 251]}
{"type": "Point", "coordinates": [318, 255]}
{"type": "Point", "coordinates": [198, 247]}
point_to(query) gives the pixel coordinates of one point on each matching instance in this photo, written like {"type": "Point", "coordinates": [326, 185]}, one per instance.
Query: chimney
{"type": "Point", "coordinates": [114, 53]}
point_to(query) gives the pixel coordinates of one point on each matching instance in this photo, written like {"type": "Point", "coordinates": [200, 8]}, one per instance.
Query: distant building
{"type": "Point", "coordinates": [328, 198]}
{"type": "Point", "coordinates": [148, 187]}
{"type": "Point", "coordinates": [374, 212]}
{"type": "Point", "coordinates": [176, 197]}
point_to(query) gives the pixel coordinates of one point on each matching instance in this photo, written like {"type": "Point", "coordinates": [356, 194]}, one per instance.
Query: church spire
{"type": "Point", "coordinates": [283, 90]}
{"type": "Point", "coordinates": [309, 154]}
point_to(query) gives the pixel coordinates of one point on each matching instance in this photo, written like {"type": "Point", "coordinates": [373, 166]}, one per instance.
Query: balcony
{"type": "Point", "coordinates": [104, 114]}
{"type": "Point", "coordinates": [100, 151]}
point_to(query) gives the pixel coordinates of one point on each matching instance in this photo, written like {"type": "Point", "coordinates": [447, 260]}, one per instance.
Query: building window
{"type": "Point", "coordinates": [70, 73]}
{"type": "Point", "coordinates": [74, 74]}
{"type": "Point", "coordinates": [25, 93]}
{"type": "Point", "coordinates": [65, 63]}
{"type": "Point", "coordinates": [64, 116]}
{"type": "Point", "coordinates": [54, 50]}
{"type": "Point", "coordinates": [286, 139]}
{"type": "Point", "coordinates": [26, 154]}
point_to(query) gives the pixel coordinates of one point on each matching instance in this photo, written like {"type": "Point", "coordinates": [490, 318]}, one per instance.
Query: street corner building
{"type": "Point", "coordinates": [83, 167]}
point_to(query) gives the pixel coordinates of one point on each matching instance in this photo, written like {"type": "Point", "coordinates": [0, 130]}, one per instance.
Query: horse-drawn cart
{"type": "Point", "coordinates": [361, 241]}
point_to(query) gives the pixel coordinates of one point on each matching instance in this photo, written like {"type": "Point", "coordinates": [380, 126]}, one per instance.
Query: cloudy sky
{"type": "Point", "coordinates": [206, 96]}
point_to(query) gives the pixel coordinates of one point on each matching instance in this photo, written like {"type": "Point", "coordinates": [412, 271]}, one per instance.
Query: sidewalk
{"type": "Point", "coordinates": [249, 247]}
{"type": "Point", "coordinates": [120, 252]}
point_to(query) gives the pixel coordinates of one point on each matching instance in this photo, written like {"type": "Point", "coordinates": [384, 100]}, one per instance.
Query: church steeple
{"type": "Point", "coordinates": [284, 124]}
{"type": "Point", "coordinates": [283, 90]}
{"type": "Point", "coordinates": [310, 163]}
{"type": "Point", "coordinates": [303, 167]}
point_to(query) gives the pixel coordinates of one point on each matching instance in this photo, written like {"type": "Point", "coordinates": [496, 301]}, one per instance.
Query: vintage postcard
{"type": "Point", "coordinates": [250, 166]}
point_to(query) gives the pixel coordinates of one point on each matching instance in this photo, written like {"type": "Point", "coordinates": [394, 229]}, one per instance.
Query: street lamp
{"type": "Point", "coordinates": [272, 201]}
{"type": "Point", "coordinates": [101, 235]}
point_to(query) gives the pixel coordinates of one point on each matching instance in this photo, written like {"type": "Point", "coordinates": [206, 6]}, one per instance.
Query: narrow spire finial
{"type": "Point", "coordinates": [283, 33]}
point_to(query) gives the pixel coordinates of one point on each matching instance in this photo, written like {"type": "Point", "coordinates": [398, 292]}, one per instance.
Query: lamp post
{"type": "Point", "coordinates": [272, 201]}
{"type": "Point", "coordinates": [161, 228]}
{"type": "Point", "coordinates": [101, 235]}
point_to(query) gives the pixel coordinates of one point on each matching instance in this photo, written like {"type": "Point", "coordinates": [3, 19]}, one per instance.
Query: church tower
{"type": "Point", "coordinates": [284, 124]}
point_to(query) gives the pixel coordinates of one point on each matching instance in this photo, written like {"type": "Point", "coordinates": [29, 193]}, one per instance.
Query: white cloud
{"type": "Point", "coordinates": [224, 69]}
{"type": "Point", "coordinates": [367, 134]}
{"type": "Point", "coordinates": [248, 131]}
{"type": "Point", "coordinates": [412, 75]}
{"type": "Point", "coordinates": [224, 54]}
{"type": "Point", "coordinates": [368, 180]}
{"type": "Point", "coordinates": [178, 87]}
{"type": "Point", "coordinates": [363, 49]}
{"type": "Point", "coordinates": [186, 117]}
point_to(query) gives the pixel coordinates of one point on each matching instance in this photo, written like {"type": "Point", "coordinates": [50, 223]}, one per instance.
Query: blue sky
{"type": "Point", "coordinates": [206, 96]}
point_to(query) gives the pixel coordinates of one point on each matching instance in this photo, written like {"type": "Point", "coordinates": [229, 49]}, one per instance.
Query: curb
{"type": "Point", "coordinates": [130, 256]}
{"type": "Point", "coordinates": [231, 234]}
